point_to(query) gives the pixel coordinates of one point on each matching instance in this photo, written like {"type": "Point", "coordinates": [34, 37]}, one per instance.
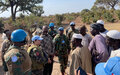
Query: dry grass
{"type": "Point", "coordinates": [109, 26]}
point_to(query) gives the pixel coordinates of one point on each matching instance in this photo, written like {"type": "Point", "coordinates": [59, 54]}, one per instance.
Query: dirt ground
{"type": "Point", "coordinates": [56, 66]}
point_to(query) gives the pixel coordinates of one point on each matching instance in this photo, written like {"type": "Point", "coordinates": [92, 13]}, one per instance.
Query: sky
{"type": "Point", "coordinates": [52, 7]}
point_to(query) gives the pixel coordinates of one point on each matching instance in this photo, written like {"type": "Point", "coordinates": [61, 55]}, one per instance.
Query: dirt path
{"type": "Point", "coordinates": [56, 67]}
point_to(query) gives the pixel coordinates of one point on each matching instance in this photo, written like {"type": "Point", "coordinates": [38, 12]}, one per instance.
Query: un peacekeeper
{"type": "Point", "coordinates": [17, 59]}
{"type": "Point", "coordinates": [38, 57]}
{"type": "Point", "coordinates": [52, 32]}
{"type": "Point", "coordinates": [4, 47]}
{"type": "Point", "coordinates": [71, 31]}
{"type": "Point", "coordinates": [62, 49]}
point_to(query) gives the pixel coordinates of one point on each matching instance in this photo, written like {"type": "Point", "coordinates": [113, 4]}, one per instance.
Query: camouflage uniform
{"type": "Point", "coordinates": [71, 32]}
{"type": "Point", "coordinates": [18, 61]}
{"type": "Point", "coordinates": [62, 47]}
{"type": "Point", "coordinates": [69, 35]}
{"type": "Point", "coordinates": [38, 58]}
{"type": "Point", "coordinates": [52, 33]}
{"type": "Point", "coordinates": [5, 45]}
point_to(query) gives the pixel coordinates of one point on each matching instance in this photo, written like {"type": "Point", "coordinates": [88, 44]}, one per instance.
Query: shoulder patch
{"type": "Point", "coordinates": [14, 58]}
{"type": "Point", "coordinates": [63, 41]}
{"type": "Point", "coordinates": [37, 53]}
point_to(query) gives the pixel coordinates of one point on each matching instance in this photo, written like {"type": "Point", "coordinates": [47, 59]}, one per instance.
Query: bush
{"type": "Point", "coordinates": [59, 19]}
{"type": "Point", "coordinates": [118, 14]}
{"type": "Point", "coordinates": [87, 16]}
{"type": "Point", "coordinates": [108, 16]}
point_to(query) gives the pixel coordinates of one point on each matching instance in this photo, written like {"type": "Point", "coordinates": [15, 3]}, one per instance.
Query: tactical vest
{"type": "Point", "coordinates": [26, 61]}
{"type": "Point", "coordinates": [35, 65]}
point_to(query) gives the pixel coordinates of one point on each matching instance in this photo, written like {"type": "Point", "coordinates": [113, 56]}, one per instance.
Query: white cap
{"type": "Point", "coordinates": [77, 36]}
{"type": "Point", "coordinates": [101, 22]}
{"type": "Point", "coordinates": [114, 34]}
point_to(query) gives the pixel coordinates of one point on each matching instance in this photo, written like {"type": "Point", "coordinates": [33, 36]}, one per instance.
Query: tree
{"type": "Point", "coordinates": [118, 13]}
{"type": "Point", "coordinates": [28, 6]}
{"type": "Point", "coordinates": [98, 12]}
{"type": "Point", "coordinates": [109, 16]}
{"type": "Point", "coordinates": [37, 11]}
{"type": "Point", "coordinates": [59, 19]}
{"type": "Point", "coordinates": [70, 18]}
{"type": "Point", "coordinates": [109, 3]}
{"type": "Point", "coordinates": [1, 26]}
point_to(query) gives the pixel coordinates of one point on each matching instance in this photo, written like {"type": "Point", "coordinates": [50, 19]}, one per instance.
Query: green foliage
{"type": "Point", "coordinates": [32, 6]}
{"type": "Point", "coordinates": [118, 14]}
{"type": "Point", "coordinates": [59, 19]}
{"type": "Point", "coordinates": [70, 18]}
{"type": "Point", "coordinates": [108, 16]}
{"type": "Point", "coordinates": [107, 3]}
{"type": "Point", "coordinates": [37, 11]}
{"type": "Point", "coordinates": [86, 16]}
{"type": "Point", "coordinates": [22, 16]}
{"type": "Point", "coordinates": [98, 12]}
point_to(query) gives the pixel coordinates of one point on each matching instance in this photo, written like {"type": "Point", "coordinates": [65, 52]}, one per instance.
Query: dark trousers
{"type": "Point", "coordinates": [48, 68]}
{"type": "Point", "coordinates": [37, 72]}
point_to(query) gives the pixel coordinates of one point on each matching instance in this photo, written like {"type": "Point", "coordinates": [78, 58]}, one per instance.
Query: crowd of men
{"type": "Point", "coordinates": [87, 53]}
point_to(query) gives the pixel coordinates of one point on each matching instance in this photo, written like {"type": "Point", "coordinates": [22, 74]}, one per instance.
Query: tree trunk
{"type": "Point", "coordinates": [113, 7]}
{"type": "Point", "coordinates": [13, 17]}
{"type": "Point", "coordinates": [13, 13]}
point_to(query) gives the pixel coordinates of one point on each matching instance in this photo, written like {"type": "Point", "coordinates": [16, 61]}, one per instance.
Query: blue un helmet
{"type": "Point", "coordinates": [61, 29]}
{"type": "Point", "coordinates": [51, 25]}
{"type": "Point", "coordinates": [18, 35]}
{"type": "Point", "coordinates": [72, 23]}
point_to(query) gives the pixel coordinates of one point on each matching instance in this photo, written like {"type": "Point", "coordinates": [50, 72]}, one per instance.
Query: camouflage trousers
{"type": "Point", "coordinates": [37, 72]}
{"type": "Point", "coordinates": [63, 59]}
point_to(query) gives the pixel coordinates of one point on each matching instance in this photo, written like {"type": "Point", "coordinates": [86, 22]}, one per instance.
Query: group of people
{"type": "Point", "coordinates": [89, 57]}
{"type": "Point", "coordinates": [37, 59]}
{"type": "Point", "coordinates": [86, 52]}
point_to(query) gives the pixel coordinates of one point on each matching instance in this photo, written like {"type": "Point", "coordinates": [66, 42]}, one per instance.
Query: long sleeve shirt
{"type": "Point", "coordinates": [47, 44]}
{"type": "Point", "coordinates": [81, 57]}
{"type": "Point", "coordinates": [98, 49]}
